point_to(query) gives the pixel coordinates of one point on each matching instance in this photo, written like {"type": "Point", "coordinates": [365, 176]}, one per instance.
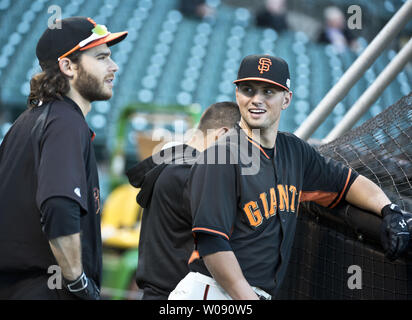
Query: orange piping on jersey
{"type": "Point", "coordinates": [210, 230]}
{"type": "Point", "coordinates": [195, 255]}
{"type": "Point", "coordinates": [343, 191]}
{"type": "Point", "coordinates": [320, 197]}
{"type": "Point", "coordinates": [257, 145]}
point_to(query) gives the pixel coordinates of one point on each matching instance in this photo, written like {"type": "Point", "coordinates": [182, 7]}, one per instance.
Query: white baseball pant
{"type": "Point", "coordinates": [196, 286]}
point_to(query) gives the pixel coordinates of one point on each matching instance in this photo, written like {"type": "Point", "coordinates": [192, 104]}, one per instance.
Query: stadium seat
{"type": "Point", "coordinates": [4, 4]}
{"type": "Point", "coordinates": [121, 218]}
{"type": "Point", "coordinates": [118, 274]}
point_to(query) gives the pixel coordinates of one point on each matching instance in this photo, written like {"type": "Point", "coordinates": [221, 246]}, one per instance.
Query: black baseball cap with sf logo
{"type": "Point", "coordinates": [264, 68]}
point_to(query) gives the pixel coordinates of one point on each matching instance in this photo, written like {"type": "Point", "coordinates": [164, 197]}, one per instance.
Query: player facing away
{"type": "Point", "coordinates": [244, 221]}
{"type": "Point", "coordinates": [49, 195]}
{"type": "Point", "coordinates": [166, 240]}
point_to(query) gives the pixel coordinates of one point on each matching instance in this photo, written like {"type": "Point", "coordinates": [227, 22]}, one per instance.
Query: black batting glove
{"type": "Point", "coordinates": [83, 288]}
{"type": "Point", "coordinates": [394, 232]}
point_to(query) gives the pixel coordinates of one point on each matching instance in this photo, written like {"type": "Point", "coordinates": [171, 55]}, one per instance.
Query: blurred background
{"type": "Point", "coordinates": [181, 56]}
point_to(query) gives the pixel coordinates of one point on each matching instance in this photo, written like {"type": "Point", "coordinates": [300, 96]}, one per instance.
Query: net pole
{"type": "Point", "coordinates": [355, 71]}
{"type": "Point", "coordinates": [372, 93]}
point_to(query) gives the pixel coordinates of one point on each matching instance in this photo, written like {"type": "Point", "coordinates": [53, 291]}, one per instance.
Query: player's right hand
{"type": "Point", "coordinates": [394, 232]}
{"type": "Point", "coordinates": [83, 288]}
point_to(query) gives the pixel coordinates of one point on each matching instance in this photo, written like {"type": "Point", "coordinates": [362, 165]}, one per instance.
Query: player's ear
{"type": "Point", "coordinates": [287, 98]}
{"type": "Point", "coordinates": [67, 67]}
{"type": "Point", "coordinates": [237, 93]}
{"type": "Point", "coordinates": [220, 132]}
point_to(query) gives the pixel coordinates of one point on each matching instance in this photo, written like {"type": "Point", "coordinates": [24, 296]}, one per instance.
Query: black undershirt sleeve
{"type": "Point", "coordinates": [60, 217]}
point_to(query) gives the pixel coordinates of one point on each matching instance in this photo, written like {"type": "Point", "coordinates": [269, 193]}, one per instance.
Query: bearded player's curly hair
{"type": "Point", "coordinates": [51, 83]}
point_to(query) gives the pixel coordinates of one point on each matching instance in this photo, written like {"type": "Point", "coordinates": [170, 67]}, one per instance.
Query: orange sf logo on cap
{"type": "Point", "coordinates": [264, 64]}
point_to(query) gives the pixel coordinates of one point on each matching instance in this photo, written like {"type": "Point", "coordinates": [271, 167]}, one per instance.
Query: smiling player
{"type": "Point", "coordinates": [244, 225]}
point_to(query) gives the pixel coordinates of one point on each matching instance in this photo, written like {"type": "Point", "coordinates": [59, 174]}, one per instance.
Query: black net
{"type": "Point", "coordinates": [337, 254]}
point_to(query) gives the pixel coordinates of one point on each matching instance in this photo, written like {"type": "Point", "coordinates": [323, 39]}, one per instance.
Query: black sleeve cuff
{"type": "Point", "coordinates": [352, 178]}
{"type": "Point", "coordinates": [60, 216]}
{"type": "Point", "coordinates": [208, 244]}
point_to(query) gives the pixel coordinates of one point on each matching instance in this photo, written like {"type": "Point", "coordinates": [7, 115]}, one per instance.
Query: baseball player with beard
{"type": "Point", "coordinates": [244, 221]}
{"type": "Point", "coordinates": [49, 193]}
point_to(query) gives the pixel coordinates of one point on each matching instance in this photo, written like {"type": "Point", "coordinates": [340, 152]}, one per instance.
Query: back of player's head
{"type": "Point", "coordinates": [219, 115]}
{"type": "Point", "coordinates": [50, 83]}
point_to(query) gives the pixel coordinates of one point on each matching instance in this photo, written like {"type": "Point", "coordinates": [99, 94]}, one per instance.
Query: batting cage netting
{"type": "Point", "coordinates": [337, 253]}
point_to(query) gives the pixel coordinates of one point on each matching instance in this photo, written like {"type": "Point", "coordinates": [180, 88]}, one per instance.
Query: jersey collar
{"type": "Point", "coordinates": [73, 104]}
{"type": "Point", "coordinates": [77, 109]}
{"type": "Point", "coordinates": [253, 142]}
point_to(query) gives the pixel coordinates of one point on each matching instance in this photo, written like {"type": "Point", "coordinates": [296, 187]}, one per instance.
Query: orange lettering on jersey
{"type": "Point", "coordinates": [283, 198]}
{"type": "Point", "coordinates": [289, 199]}
{"type": "Point", "coordinates": [265, 204]}
{"type": "Point", "coordinates": [253, 213]}
{"type": "Point", "coordinates": [273, 203]}
{"type": "Point", "coordinates": [293, 195]}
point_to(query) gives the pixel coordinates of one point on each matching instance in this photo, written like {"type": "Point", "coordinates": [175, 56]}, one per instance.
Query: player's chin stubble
{"type": "Point", "coordinates": [260, 124]}
{"type": "Point", "coordinates": [90, 87]}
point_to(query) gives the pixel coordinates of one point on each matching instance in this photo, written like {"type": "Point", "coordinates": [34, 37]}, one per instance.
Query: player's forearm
{"type": "Point", "coordinates": [225, 269]}
{"type": "Point", "coordinates": [367, 195]}
{"type": "Point", "coordinates": [67, 251]}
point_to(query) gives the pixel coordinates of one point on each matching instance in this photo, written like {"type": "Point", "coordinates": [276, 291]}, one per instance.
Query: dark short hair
{"type": "Point", "coordinates": [218, 115]}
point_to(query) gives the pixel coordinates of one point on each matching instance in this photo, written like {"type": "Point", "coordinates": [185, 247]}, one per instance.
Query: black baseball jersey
{"type": "Point", "coordinates": [166, 240]}
{"type": "Point", "coordinates": [256, 213]}
{"type": "Point", "coordinates": [55, 160]}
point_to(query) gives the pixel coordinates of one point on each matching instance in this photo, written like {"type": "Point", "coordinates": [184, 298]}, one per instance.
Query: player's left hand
{"type": "Point", "coordinates": [83, 287]}
{"type": "Point", "coordinates": [394, 232]}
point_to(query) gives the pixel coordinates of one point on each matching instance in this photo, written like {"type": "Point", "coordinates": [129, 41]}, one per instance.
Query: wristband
{"type": "Point", "coordinates": [79, 284]}
{"type": "Point", "coordinates": [389, 209]}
